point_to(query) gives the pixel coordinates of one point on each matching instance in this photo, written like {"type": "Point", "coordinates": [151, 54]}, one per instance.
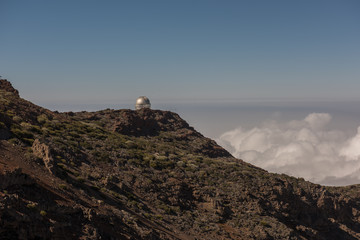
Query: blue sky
{"type": "Point", "coordinates": [107, 52]}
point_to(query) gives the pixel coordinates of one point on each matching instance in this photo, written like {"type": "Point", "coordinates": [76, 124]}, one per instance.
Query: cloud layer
{"type": "Point", "coordinates": [302, 148]}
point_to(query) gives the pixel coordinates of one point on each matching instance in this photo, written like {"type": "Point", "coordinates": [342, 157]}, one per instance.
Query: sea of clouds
{"type": "Point", "coordinates": [304, 148]}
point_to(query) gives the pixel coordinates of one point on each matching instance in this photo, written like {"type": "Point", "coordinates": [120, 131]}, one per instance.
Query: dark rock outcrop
{"type": "Point", "coordinates": [7, 86]}
{"type": "Point", "coordinates": [43, 152]}
{"type": "Point", "coordinates": [147, 122]}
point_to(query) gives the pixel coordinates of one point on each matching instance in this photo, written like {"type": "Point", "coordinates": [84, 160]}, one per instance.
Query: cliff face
{"type": "Point", "coordinates": [123, 174]}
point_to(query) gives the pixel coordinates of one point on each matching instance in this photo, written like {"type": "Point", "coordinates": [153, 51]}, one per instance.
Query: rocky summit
{"type": "Point", "coordinates": [146, 174]}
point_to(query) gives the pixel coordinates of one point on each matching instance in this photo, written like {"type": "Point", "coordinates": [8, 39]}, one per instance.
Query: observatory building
{"type": "Point", "coordinates": [142, 102]}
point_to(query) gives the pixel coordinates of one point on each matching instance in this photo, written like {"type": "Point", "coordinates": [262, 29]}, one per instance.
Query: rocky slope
{"type": "Point", "coordinates": [123, 174]}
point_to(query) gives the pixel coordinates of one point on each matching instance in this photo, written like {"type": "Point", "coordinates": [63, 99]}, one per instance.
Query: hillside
{"type": "Point", "coordinates": [146, 174]}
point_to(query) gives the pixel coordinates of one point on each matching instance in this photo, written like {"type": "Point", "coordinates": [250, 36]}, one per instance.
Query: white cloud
{"type": "Point", "coordinates": [302, 148]}
{"type": "Point", "coordinates": [352, 149]}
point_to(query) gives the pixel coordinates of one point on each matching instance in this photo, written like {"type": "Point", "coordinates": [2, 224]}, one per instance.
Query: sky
{"type": "Point", "coordinates": [274, 82]}
{"type": "Point", "coordinates": [102, 52]}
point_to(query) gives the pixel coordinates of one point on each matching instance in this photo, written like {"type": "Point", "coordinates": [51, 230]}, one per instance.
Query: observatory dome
{"type": "Point", "coordinates": [142, 102]}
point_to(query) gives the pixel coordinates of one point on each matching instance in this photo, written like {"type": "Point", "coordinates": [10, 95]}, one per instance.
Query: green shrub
{"type": "Point", "coordinates": [22, 133]}
{"type": "Point", "coordinates": [94, 187]}
{"type": "Point", "coordinates": [28, 141]}
{"type": "Point", "coordinates": [43, 213]}
{"type": "Point", "coordinates": [61, 165]}
{"type": "Point", "coordinates": [86, 145]}
{"type": "Point", "coordinates": [13, 141]}
{"type": "Point", "coordinates": [42, 119]}
{"type": "Point", "coordinates": [265, 224]}
{"type": "Point", "coordinates": [130, 144]}
{"type": "Point", "coordinates": [10, 113]}
{"type": "Point", "coordinates": [30, 127]}
{"type": "Point", "coordinates": [31, 205]}
{"type": "Point", "coordinates": [162, 163]}
{"type": "Point", "coordinates": [17, 119]}
{"type": "Point", "coordinates": [135, 161]}
{"type": "Point", "coordinates": [80, 179]}
{"type": "Point", "coordinates": [168, 210]}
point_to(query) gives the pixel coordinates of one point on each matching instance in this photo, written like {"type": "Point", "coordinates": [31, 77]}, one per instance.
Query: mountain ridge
{"type": "Point", "coordinates": [124, 174]}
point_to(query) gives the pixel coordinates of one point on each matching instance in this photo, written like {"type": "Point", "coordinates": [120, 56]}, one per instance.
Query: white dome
{"type": "Point", "coordinates": [142, 102]}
